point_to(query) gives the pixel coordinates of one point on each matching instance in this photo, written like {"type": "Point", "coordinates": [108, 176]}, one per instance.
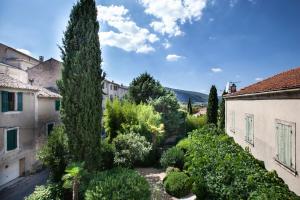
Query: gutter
{"type": "Point", "coordinates": [263, 93]}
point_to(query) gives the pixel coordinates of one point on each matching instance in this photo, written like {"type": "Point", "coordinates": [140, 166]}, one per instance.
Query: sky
{"type": "Point", "coordinates": [185, 44]}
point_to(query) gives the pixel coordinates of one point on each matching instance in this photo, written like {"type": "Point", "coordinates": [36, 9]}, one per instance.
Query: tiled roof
{"type": "Point", "coordinates": [286, 80]}
{"type": "Point", "coordinates": [9, 82]}
{"type": "Point", "coordinates": [43, 92]}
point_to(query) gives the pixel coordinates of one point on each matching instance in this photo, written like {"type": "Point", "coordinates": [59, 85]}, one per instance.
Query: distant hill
{"type": "Point", "coordinates": [184, 95]}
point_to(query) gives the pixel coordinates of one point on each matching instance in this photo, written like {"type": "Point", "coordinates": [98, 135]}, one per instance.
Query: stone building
{"type": "Point", "coordinates": [29, 110]}
{"type": "Point", "coordinates": [265, 117]}
{"type": "Point", "coordinates": [28, 113]}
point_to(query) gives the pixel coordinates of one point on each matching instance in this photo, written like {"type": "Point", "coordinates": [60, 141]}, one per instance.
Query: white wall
{"type": "Point", "coordinates": [265, 113]}
{"type": "Point", "coordinates": [15, 73]}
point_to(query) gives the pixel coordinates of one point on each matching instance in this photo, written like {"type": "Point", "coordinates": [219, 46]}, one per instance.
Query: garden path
{"type": "Point", "coordinates": [155, 178]}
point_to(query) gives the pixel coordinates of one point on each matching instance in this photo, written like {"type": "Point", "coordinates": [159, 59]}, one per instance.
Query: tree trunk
{"type": "Point", "coordinates": [75, 189]}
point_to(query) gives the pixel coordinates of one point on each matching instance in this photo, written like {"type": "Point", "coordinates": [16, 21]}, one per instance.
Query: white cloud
{"type": "Point", "coordinates": [167, 44]}
{"type": "Point", "coordinates": [258, 79]}
{"type": "Point", "coordinates": [216, 69]}
{"type": "Point", "coordinates": [173, 57]}
{"type": "Point", "coordinates": [212, 38]}
{"type": "Point", "coordinates": [170, 14]}
{"type": "Point", "coordinates": [25, 51]}
{"type": "Point", "coordinates": [129, 37]}
{"type": "Point", "coordinates": [211, 19]}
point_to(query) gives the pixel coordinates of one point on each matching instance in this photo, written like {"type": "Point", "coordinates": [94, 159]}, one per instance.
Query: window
{"type": "Point", "coordinates": [11, 137]}
{"type": "Point", "coordinates": [11, 101]}
{"type": "Point", "coordinates": [285, 143]}
{"type": "Point", "coordinates": [50, 127]}
{"type": "Point", "coordinates": [249, 129]}
{"type": "Point", "coordinates": [232, 121]}
{"type": "Point", "coordinates": [57, 105]}
{"type": "Point", "coordinates": [115, 87]}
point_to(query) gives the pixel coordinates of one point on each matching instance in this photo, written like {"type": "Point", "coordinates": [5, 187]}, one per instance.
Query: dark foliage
{"type": "Point", "coordinates": [81, 84]}
{"type": "Point", "coordinates": [212, 108]}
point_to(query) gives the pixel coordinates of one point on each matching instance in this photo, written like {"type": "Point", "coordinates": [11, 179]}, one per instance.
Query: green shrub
{"type": "Point", "coordinates": [54, 154]}
{"type": "Point", "coordinates": [126, 117]}
{"type": "Point", "coordinates": [195, 122]}
{"type": "Point", "coordinates": [184, 144]}
{"type": "Point", "coordinates": [223, 170]}
{"type": "Point", "coordinates": [173, 157]}
{"type": "Point", "coordinates": [177, 184]}
{"type": "Point", "coordinates": [172, 169]}
{"type": "Point", "coordinates": [118, 184]}
{"type": "Point", "coordinates": [130, 148]}
{"type": "Point", "coordinates": [46, 192]}
{"type": "Point", "coordinates": [107, 155]}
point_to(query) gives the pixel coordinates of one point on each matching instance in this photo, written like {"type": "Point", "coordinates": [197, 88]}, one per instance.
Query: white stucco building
{"type": "Point", "coordinates": [265, 117]}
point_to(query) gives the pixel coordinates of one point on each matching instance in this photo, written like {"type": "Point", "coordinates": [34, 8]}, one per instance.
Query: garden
{"type": "Point", "coordinates": [96, 154]}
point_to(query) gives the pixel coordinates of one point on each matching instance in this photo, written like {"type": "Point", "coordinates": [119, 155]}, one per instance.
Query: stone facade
{"type": "Point", "coordinates": [30, 122]}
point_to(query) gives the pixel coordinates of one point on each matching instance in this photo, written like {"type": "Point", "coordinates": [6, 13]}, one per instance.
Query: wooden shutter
{"type": "Point", "coordinates": [4, 100]}
{"type": "Point", "coordinates": [20, 101]}
{"type": "Point", "coordinates": [57, 105]}
{"type": "Point", "coordinates": [12, 139]}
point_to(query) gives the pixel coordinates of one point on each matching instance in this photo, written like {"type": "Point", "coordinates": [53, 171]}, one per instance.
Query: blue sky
{"type": "Point", "coordinates": [185, 44]}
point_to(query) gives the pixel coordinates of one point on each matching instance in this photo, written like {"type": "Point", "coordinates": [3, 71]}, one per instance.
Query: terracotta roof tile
{"type": "Point", "coordinates": [9, 82]}
{"type": "Point", "coordinates": [286, 80]}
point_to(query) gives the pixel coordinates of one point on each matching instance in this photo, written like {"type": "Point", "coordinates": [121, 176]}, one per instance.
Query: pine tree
{"type": "Point", "coordinates": [222, 112]}
{"type": "Point", "coordinates": [81, 84]}
{"type": "Point", "coordinates": [190, 108]}
{"type": "Point", "coordinates": [212, 108]}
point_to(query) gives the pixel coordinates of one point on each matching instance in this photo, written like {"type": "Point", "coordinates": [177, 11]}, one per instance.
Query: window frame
{"type": "Point", "coordinates": [48, 123]}
{"type": "Point", "coordinates": [5, 139]}
{"type": "Point", "coordinates": [247, 115]}
{"type": "Point", "coordinates": [16, 102]}
{"type": "Point", "coordinates": [292, 168]}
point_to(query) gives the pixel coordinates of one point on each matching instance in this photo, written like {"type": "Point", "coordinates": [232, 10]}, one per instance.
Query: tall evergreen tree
{"type": "Point", "coordinates": [81, 85]}
{"type": "Point", "coordinates": [222, 112]}
{"type": "Point", "coordinates": [212, 108]}
{"type": "Point", "coordinates": [190, 108]}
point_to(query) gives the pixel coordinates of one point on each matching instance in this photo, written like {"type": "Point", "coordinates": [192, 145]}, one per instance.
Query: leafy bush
{"type": "Point", "coordinates": [195, 122]}
{"type": "Point", "coordinates": [173, 157]}
{"type": "Point", "coordinates": [46, 192]}
{"type": "Point", "coordinates": [130, 148]}
{"type": "Point", "coordinates": [172, 117]}
{"type": "Point", "coordinates": [107, 155]}
{"type": "Point", "coordinates": [172, 169]}
{"type": "Point", "coordinates": [126, 117]}
{"type": "Point", "coordinates": [118, 184]}
{"type": "Point", "coordinates": [54, 154]}
{"type": "Point", "coordinates": [184, 144]}
{"type": "Point", "coordinates": [223, 170]}
{"type": "Point", "coordinates": [177, 184]}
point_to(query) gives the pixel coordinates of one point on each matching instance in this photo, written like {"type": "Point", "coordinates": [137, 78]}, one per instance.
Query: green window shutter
{"type": "Point", "coordinates": [20, 101]}
{"type": "Point", "coordinates": [12, 139]}
{"type": "Point", "coordinates": [4, 100]}
{"type": "Point", "coordinates": [57, 105]}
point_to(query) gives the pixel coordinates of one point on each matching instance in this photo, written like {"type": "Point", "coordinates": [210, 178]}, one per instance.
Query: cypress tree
{"type": "Point", "coordinates": [212, 108]}
{"type": "Point", "coordinates": [190, 108]}
{"type": "Point", "coordinates": [222, 112]}
{"type": "Point", "coordinates": [81, 84]}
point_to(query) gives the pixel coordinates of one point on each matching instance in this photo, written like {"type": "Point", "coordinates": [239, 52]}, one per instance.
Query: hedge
{"type": "Point", "coordinates": [224, 170]}
{"type": "Point", "coordinates": [118, 184]}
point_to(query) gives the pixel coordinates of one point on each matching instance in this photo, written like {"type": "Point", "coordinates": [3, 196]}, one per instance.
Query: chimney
{"type": "Point", "coordinates": [31, 81]}
{"type": "Point", "coordinates": [232, 88]}
{"type": "Point", "coordinates": [41, 58]}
